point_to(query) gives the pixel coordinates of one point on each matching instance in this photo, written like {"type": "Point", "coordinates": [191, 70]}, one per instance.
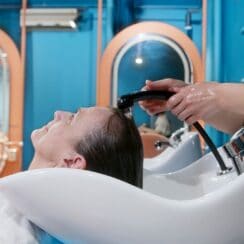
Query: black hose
{"type": "Point", "coordinates": [127, 101]}
{"type": "Point", "coordinates": [211, 145]}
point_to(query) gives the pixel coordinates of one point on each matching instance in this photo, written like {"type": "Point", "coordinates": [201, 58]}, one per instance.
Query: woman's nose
{"type": "Point", "coordinates": [58, 115]}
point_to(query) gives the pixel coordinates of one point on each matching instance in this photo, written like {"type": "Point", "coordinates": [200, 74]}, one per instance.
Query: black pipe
{"type": "Point", "coordinates": [211, 145]}
{"type": "Point", "coordinates": [127, 101]}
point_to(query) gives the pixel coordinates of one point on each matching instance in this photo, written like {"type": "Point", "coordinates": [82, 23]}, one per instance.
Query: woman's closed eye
{"type": "Point", "coordinates": [76, 114]}
{"type": "Point", "coordinates": [71, 117]}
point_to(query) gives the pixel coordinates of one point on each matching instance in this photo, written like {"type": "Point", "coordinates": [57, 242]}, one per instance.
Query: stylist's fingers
{"type": "Point", "coordinates": [191, 114]}
{"type": "Point", "coordinates": [191, 120]}
{"type": "Point", "coordinates": [155, 85]}
{"type": "Point", "coordinates": [176, 89]}
{"type": "Point", "coordinates": [157, 106]}
{"type": "Point", "coordinates": [179, 108]}
{"type": "Point", "coordinates": [185, 114]}
{"type": "Point", "coordinates": [145, 104]}
{"type": "Point", "coordinates": [151, 103]}
{"type": "Point", "coordinates": [174, 101]}
{"type": "Point", "coordinates": [155, 110]}
{"type": "Point", "coordinates": [153, 107]}
{"type": "Point", "coordinates": [164, 84]}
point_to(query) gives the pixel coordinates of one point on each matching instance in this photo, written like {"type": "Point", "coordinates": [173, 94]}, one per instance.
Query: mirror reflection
{"type": "Point", "coordinates": [150, 57]}
{"type": "Point", "coordinates": [4, 92]}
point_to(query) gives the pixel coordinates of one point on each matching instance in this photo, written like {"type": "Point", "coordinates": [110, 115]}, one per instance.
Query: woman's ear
{"type": "Point", "coordinates": [76, 162]}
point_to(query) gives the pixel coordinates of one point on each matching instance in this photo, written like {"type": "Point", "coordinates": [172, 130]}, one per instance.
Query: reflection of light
{"type": "Point", "coordinates": [72, 24]}
{"type": "Point", "coordinates": [188, 27]}
{"type": "Point", "coordinates": [138, 60]}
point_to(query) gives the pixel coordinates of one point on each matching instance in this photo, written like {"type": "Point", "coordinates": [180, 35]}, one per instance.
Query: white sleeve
{"type": "Point", "coordinates": [14, 227]}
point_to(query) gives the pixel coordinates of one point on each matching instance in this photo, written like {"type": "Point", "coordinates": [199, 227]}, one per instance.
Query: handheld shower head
{"type": "Point", "coordinates": [126, 102]}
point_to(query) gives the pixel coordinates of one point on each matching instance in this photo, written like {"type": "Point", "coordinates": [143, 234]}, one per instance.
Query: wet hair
{"type": "Point", "coordinates": [115, 149]}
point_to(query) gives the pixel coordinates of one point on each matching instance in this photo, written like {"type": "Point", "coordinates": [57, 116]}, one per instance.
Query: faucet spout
{"type": "Point", "coordinates": [235, 150]}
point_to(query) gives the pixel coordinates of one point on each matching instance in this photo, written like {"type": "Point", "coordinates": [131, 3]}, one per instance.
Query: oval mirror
{"type": "Point", "coordinates": [147, 50]}
{"type": "Point", "coordinates": [153, 57]}
{"type": "Point", "coordinates": [11, 106]}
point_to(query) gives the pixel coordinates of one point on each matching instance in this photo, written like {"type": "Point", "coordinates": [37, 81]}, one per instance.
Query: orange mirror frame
{"type": "Point", "coordinates": [15, 132]}
{"type": "Point", "coordinates": [106, 66]}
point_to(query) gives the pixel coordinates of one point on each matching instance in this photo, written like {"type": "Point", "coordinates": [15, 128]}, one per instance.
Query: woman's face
{"type": "Point", "coordinates": [63, 133]}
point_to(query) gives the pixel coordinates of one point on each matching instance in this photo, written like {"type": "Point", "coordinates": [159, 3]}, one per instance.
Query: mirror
{"type": "Point", "coordinates": [4, 93]}
{"type": "Point", "coordinates": [11, 106]}
{"type": "Point", "coordinates": [147, 50]}
{"type": "Point", "coordinates": [153, 57]}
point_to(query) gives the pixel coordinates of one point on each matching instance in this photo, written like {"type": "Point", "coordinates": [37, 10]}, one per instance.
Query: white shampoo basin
{"type": "Point", "coordinates": [173, 159]}
{"type": "Point", "coordinates": [188, 207]}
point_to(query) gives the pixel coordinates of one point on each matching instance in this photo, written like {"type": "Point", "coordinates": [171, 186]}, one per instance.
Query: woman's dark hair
{"type": "Point", "coordinates": [115, 150]}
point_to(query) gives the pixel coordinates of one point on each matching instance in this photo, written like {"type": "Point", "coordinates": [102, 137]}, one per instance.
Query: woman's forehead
{"type": "Point", "coordinates": [97, 110]}
{"type": "Point", "coordinates": [97, 113]}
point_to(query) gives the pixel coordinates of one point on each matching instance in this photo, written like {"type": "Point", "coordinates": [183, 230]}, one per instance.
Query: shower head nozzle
{"type": "Point", "coordinates": [127, 101]}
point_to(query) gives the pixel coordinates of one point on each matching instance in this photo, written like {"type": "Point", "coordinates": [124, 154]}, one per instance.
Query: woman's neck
{"type": "Point", "coordinates": [40, 162]}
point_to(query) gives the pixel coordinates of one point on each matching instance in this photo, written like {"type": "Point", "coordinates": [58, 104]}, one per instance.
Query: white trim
{"type": "Point", "coordinates": [4, 97]}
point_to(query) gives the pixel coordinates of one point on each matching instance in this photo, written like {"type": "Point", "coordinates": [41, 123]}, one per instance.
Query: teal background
{"type": "Point", "coordinates": [61, 65]}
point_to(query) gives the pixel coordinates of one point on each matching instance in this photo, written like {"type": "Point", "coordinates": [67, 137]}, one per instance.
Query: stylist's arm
{"type": "Point", "coordinates": [220, 105]}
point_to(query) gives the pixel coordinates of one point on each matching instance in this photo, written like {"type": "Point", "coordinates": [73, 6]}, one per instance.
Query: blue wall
{"type": "Point", "coordinates": [225, 48]}
{"type": "Point", "coordinates": [61, 66]}
{"type": "Point", "coordinates": [60, 74]}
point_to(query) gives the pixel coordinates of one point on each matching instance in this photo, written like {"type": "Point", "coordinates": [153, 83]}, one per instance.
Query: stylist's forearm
{"type": "Point", "coordinates": [227, 122]}
{"type": "Point", "coordinates": [234, 99]}
{"type": "Point", "coordinates": [230, 101]}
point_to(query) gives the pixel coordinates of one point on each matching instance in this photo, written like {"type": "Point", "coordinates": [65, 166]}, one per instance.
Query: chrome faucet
{"type": "Point", "coordinates": [235, 150]}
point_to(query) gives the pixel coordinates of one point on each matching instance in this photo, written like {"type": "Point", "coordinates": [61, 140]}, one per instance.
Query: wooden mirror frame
{"type": "Point", "coordinates": [15, 131]}
{"type": "Point", "coordinates": [106, 66]}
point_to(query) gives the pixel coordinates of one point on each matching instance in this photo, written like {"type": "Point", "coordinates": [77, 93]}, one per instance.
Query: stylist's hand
{"type": "Point", "coordinates": [195, 102]}
{"type": "Point", "coordinates": [157, 106]}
